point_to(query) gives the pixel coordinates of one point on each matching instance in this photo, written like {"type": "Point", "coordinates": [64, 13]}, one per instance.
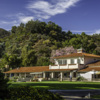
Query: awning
{"type": "Point", "coordinates": [37, 73]}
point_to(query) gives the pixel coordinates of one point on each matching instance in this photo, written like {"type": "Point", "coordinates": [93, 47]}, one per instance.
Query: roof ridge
{"type": "Point", "coordinates": [77, 55]}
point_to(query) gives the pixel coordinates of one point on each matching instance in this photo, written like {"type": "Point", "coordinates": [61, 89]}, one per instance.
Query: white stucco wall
{"type": "Point", "coordinates": [68, 66]}
{"type": "Point", "coordinates": [54, 67]}
{"type": "Point", "coordinates": [56, 61]}
{"type": "Point", "coordinates": [68, 60]}
{"type": "Point", "coordinates": [83, 61]}
{"type": "Point", "coordinates": [63, 67]}
{"type": "Point", "coordinates": [87, 75]}
{"type": "Point", "coordinates": [73, 66]}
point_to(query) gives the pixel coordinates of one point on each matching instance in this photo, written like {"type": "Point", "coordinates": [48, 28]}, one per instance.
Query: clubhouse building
{"type": "Point", "coordinates": [66, 67]}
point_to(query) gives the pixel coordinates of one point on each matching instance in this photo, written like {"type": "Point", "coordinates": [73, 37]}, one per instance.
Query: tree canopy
{"type": "Point", "coordinates": [32, 44]}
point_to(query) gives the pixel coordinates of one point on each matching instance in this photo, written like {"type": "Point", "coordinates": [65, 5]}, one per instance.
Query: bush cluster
{"type": "Point", "coordinates": [30, 93]}
{"type": "Point", "coordinates": [80, 78]}
{"type": "Point", "coordinates": [24, 92]}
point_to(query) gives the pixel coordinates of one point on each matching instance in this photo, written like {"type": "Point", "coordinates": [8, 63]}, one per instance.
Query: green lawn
{"type": "Point", "coordinates": [59, 85]}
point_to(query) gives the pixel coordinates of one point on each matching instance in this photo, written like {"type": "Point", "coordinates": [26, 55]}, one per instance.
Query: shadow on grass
{"type": "Point", "coordinates": [59, 85]}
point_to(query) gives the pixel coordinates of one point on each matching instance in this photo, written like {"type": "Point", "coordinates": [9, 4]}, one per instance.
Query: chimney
{"type": "Point", "coordinates": [81, 50]}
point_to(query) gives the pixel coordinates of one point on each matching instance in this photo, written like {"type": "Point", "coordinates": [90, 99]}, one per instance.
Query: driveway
{"type": "Point", "coordinates": [77, 94]}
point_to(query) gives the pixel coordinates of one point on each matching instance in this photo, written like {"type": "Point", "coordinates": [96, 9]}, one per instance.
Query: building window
{"type": "Point", "coordinates": [72, 61]}
{"type": "Point", "coordinates": [78, 61]}
{"type": "Point", "coordinates": [60, 62]}
{"type": "Point", "coordinates": [64, 61]}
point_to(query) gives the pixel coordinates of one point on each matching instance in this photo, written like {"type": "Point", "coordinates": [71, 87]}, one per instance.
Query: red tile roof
{"type": "Point", "coordinates": [90, 69]}
{"type": "Point", "coordinates": [94, 64]}
{"type": "Point", "coordinates": [77, 55]}
{"type": "Point", "coordinates": [28, 69]}
{"type": "Point", "coordinates": [35, 69]}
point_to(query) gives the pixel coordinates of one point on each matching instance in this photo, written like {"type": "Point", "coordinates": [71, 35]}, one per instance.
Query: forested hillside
{"type": "Point", "coordinates": [31, 44]}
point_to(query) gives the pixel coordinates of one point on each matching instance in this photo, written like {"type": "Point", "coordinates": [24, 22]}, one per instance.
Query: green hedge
{"type": "Point", "coordinates": [30, 93]}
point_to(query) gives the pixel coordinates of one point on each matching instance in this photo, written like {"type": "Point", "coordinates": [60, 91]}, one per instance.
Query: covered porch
{"type": "Point", "coordinates": [60, 76]}
{"type": "Point", "coordinates": [24, 76]}
{"type": "Point", "coordinates": [41, 73]}
{"type": "Point", "coordinates": [96, 76]}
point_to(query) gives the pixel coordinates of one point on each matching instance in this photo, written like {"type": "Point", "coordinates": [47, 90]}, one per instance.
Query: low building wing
{"type": "Point", "coordinates": [35, 69]}
{"type": "Point", "coordinates": [94, 64]}
{"type": "Point", "coordinates": [90, 67]}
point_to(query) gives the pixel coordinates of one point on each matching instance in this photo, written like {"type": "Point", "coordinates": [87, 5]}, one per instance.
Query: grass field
{"type": "Point", "coordinates": [56, 85]}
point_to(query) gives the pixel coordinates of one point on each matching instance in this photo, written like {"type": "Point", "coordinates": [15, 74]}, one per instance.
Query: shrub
{"type": "Point", "coordinates": [30, 93]}
{"type": "Point", "coordinates": [80, 78]}
{"type": "Point", "coordinates": [12, 79]}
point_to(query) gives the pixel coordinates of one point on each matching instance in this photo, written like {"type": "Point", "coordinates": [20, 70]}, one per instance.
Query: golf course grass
{"type": "Point", "coordinates": [56, 85]}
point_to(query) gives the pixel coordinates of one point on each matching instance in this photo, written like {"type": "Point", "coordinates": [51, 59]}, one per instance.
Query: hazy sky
{"type": "Point", "coordinates": [74, 15]}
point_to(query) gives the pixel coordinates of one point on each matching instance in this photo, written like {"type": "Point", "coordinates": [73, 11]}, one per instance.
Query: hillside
{"type": "Point", "coordinates": [31, 44]}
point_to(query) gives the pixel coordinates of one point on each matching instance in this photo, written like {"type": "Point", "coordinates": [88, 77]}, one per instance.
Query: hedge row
{"type": "Point", "coordinates": [30, 93]}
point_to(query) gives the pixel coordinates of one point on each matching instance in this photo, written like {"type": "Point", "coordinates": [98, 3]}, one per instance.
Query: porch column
{"type": "Point", "coordinates": [20, 75]}
{"type": "Point", "coordinates": [25, 75]}
{"type": "Point", "coordinates": [61, 76]}
{"type": "Point", "coordinates": [44, 75]}
{"type": "Point", "coordinates": [10, 75]}
{"type": "Point", "coordinates": [52, 74]}
{"type": "Point", "coordinates": [71, 75]}
{"type": "Point", "coordinates": [15, 75]}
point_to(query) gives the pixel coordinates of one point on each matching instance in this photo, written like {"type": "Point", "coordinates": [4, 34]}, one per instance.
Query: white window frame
{"type": "Point", "coordinates": [61, 61]}
{"type": "Point", "coordinates": [64, 61]}
{"type": "Point", "coordinates": [79, 61]}
{"type": "Point", "coordinates": [72, 61]}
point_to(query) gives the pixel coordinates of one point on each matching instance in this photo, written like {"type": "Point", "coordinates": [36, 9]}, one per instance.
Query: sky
{"type": "Point", "coordinates": [75, 15]}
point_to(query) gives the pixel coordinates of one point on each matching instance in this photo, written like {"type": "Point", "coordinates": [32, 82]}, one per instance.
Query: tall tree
{"type": "Point", "coordinates": [13, 30]}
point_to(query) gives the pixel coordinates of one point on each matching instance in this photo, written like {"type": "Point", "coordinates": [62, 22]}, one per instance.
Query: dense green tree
{"type": "Point", "coordinates": [32, 26]}
{"type": "Point", "coordinates": [28, 57]}
{"type": "Point", "coordinates": [31, 44]}
{"type": "Point", "coordinates": [75, 42]}
{"type": "Point", "coordinates": [2, 48]}
{"type": "Point", "coordinates": [68, 35]}
{"type": "Point", "coordinates": [12, 60]}
{"type": "Point", "coordinates": [43, 61]}
{"type": "Point", "coordinates": [4, 33]}
{"type": "Point", "coordinates": [52, 26]}
{"type": "Point", "coordinates": [13, 30]}
{"type": "Point", "coordinates": [20, 28]}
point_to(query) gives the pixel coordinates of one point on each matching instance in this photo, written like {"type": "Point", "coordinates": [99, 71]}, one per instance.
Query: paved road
{"type": "Point", "coordinates": [77, 94]}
